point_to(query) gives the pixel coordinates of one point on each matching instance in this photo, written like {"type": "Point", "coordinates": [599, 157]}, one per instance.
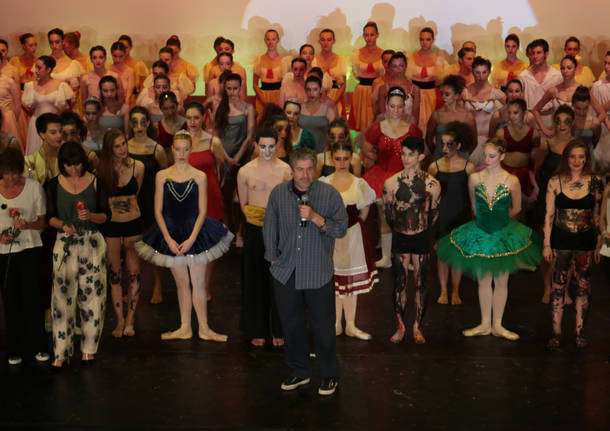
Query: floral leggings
{"type": "Point", "coordinates": [563, 260]}
{"type": "Point", "coordinates": [79, 279]}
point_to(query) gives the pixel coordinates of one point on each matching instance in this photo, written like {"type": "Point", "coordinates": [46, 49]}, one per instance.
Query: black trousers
{"type": "Point", "coordinates": [258, 308]}
{"type": "Point", "coordinates": [320, 303]}
{"type": "Point", "coordinates": [22, 298]}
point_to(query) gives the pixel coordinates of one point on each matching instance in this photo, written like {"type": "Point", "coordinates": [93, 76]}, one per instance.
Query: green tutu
{"type": "Point", "coordinates": [493, 243]}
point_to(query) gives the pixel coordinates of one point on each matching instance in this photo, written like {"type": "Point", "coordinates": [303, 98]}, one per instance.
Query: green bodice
{"type": "Point", "coordinates": [492, 215]}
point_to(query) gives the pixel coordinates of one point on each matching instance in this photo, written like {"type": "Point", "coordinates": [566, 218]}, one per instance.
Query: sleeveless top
{"type": "Point", "coordinates": [110, 121]}
{"type": "Point", "coordinates": [66, 205]}
{"type": "Point", "coordinates": [574, 226]}
{"type": "Point", "coordinates": [454, 209]}
{"type": "Point", "coordinates": [146, 197]}
{"type": "Point", "coordinates": [164, 138]}
{"type": "Point", "coordinates": [204, 161]}
{"type": "Point", "coordinates": [317, 125]}
{"type": "Point", "coordinates": [521, 146]}
{"type": "Point", "coordinates": [235, 132]}
{"type": "Point", "coordinates": [123, 210]}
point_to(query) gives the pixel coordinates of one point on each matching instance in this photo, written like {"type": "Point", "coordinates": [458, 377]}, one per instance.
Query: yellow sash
{"type": "Point", "coordinates": [255, 215]}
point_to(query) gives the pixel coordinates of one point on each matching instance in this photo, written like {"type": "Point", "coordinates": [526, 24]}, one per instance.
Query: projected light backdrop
{"type": "Point", "coordinates": [297, 17]}
{"type": "Point", "coordinates": [199, 22]}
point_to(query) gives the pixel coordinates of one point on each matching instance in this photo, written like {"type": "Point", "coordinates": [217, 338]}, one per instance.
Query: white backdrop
{"type": "Point", "coordinates": [199, 22]}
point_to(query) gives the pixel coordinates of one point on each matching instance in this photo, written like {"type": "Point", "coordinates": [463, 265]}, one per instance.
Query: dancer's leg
{"type": "Point", "coordinates": [132, 262]}
{"type": "Point", "coordinates": [183, 291]}
{"type": "Point", "coordinates": [199, 304]}
{"type": "Point", "coordinates": [113, 246]}
{"type": "Point", "coordinates": [485, 304]}
{"type": "Point", "coordinates": [350, 303]}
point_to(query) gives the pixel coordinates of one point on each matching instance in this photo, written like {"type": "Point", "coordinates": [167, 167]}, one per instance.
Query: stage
{"type": "Point", "coordinates": [449, 383]}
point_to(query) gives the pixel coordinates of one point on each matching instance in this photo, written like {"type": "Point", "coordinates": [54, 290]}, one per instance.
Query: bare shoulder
{"type": "Point", "coordinates": [139, 166]}
{"type": "Point", "coordinates": [200, 176]}
{"type": "Point", "coordinates": [513, 181]}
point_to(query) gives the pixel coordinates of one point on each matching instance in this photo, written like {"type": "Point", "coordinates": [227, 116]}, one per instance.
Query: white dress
{"type": "Point", "coordinates": [355, 270]}
{"type": "Point", "coordinates": [53, 102]}
{"type": "Point", "coordinates": [601, 154]}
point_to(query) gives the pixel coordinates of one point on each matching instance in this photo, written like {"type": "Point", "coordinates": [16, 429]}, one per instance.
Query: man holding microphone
{"type": "Point", "coordinates": [302, 220]}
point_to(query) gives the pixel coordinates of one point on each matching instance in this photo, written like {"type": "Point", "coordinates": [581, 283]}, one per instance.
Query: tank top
{"type": "Point", "coordinates": [521, 146]}
{"type": "Point", "coordinates": [66, 205]}
{"type": "Point", "coordinates": [454, 209]}
{"type": "Point", "coordinates": [235, 132]}
{"type": "Point", "coordinates": [581, 238]}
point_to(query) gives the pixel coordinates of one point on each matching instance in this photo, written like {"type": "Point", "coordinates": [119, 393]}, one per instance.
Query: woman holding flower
{"type": "Point", "coordinates": [76, 206]}
{"type": "Point", "coordinates": [22, 217]}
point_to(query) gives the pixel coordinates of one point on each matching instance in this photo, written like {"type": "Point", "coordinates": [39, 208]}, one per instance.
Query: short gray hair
{"type": "Point", "coordinates": [302, 154]}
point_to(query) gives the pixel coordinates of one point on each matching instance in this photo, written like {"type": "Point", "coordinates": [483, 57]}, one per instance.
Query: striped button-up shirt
{"type": "Point", "coordinates": [307, 251]}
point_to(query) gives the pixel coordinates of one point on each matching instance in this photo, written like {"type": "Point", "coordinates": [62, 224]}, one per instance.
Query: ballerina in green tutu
{"type": "Point", "coordinates": [493, 245]}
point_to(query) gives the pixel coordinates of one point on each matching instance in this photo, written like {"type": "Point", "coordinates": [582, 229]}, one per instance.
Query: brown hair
{"type": "Point", "coordinates": [563, 170]}
{"type": "Point", "coordinates": [105, 170]}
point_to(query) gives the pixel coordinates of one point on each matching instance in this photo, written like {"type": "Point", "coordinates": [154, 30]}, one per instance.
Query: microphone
{"type": "Point", "coordinates": [303, 201]}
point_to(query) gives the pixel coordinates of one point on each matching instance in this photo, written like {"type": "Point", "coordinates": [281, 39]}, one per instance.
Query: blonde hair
{"type": "Point", "coordinates": [183, 135]}
{"type": "Point", "coordinates": [498, 143]}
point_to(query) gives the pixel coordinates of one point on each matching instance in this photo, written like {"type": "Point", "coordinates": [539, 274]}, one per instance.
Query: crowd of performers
{"type": "Point", "coordinates": [490, 169]}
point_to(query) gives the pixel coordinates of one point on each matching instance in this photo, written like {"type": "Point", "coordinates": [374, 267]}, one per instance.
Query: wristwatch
{"type": "Point", "coordinates": [323, 224]}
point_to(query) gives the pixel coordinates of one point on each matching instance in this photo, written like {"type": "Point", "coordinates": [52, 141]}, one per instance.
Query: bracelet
{"type": "Point", "coordinates": [323, 223]}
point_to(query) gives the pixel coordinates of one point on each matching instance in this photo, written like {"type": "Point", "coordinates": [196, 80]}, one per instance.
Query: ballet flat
{"type": "Point", "coordinates": [476, 332]}
{"type": "Point", "coordinates": [505, 333]}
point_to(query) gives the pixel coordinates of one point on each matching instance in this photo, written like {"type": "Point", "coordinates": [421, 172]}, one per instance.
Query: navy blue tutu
{"type": "Point", "coordinates": [180, 210]}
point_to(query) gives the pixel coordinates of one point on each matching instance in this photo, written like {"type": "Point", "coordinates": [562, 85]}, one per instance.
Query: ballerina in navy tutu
{"type": "Point", "coordinates": [185, 240]}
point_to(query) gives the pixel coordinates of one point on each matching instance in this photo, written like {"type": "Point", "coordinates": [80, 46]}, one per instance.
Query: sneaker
{"type": "Point", "coordinates": [328, 386]}
{"type": "Point", "coordinates": [14, 360]}
{"type": "Point", "coordinates": [293, 383]}
{"type": "Point", "coordinates": [42, 356]}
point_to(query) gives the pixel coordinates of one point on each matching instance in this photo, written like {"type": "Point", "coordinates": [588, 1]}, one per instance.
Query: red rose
{"type": "Point", "coordinates": [80, 205]}
{"type": "Point", "coordinates": [13, 212]}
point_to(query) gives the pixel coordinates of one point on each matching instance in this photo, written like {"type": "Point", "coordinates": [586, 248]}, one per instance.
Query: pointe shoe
{"type": "Point", "coordinates": [129, 331]}
{"type": "Point", "coordinates": [443, 299]}
{"type": "Point", "coordinates": [213, 336]}
{"type": "Point", "coordinates": [177, 335]}
{"type": "Point", "coordinates": [476, 331]}
{"type": "Point", "coordinates": [354, 332]}
{"type": "Point", "coordinates": [502, 332]}
{"type": "Point", "coordinates": [338, 330]}
{"type": "Point", "coordinates": [384, 262]}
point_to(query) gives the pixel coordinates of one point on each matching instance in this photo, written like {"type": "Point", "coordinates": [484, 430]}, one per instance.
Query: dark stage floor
{"type": "Point", "coordinates": [449, 383]}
